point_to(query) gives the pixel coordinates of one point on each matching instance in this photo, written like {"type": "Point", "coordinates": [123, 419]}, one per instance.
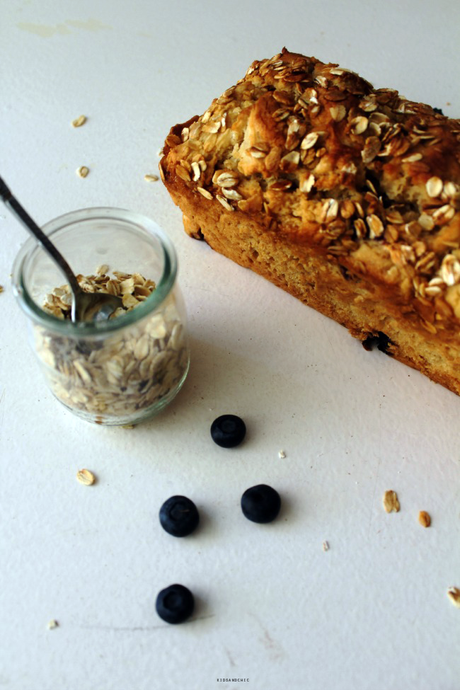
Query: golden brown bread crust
{"type": "Point", "coordinates": [346, 196]}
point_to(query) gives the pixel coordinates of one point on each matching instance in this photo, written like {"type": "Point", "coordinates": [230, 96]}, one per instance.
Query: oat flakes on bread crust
{"type": "Point", "coordinates": [346, 196]}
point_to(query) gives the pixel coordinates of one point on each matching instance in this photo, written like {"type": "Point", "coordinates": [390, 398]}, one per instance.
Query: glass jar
{"type": "Point", "coordinates": [125, 369]}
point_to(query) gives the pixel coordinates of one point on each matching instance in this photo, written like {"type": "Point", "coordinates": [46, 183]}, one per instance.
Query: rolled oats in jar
{"type": "Point", "coordinates": [127, 368]}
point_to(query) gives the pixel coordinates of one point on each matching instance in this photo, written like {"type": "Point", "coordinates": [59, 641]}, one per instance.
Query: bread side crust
{"type": "Point", "coordinates": [338, 294]}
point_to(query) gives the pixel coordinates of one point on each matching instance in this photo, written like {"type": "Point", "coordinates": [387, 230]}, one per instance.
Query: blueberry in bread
{"type": "Point", "coordinates": [346, 196]}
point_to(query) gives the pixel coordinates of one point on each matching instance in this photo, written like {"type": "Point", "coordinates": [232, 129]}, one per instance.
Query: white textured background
{"type": "Point", "coordinates": [272, 606]}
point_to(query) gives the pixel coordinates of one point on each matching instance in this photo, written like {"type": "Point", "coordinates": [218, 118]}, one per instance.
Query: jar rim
{"type": "Point", "coordinates": [92, 328]}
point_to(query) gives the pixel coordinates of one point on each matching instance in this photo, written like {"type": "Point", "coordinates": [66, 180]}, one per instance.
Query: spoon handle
{"type": "Point", "coordinates": [14, 205]}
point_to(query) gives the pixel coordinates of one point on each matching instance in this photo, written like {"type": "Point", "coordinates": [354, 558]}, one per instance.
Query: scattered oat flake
{"type": "Point", "coordinates": [83, 171]}
{"type": "Point", "coordinates": [151, 178]}
{"type": "Point", "coordinates": [1, 288]}
{"type": "Point", "coordinates": [454, 595]}
{"type": "Point", "coordinates": [325, 546]}
{"type": "Point", "coordinates": [79, 121]}
{"type": "Point", "coordinates": [53, 624]}
{"type": "Point", "coordinates": [424, 518]}
{"type": "Point", "coordinates": [86, 477]}
{"type": "Point", "coordinates": [282, 454]}
{"type": "Point", "coordinates": [391, 502]}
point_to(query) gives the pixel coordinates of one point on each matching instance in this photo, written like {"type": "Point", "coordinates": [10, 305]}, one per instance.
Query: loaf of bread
{"type": "Point", "coordinates": [346, 196]}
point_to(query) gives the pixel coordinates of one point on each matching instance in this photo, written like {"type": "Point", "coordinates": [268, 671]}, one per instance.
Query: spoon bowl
{"type": "Point", "coordinates": [94, 306]}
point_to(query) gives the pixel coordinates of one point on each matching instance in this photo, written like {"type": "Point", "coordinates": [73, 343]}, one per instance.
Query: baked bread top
{"type": "Point", "coordinates": [314, 153]}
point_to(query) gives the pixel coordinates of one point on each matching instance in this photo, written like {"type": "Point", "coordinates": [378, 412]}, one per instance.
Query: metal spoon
{"type": "Point", "coordinates": [86, 306]}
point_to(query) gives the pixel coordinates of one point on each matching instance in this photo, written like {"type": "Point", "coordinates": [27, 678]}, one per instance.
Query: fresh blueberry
{"type": "Point", "coordinates": [228, 430]}
{"type": "Point", "coordinates": [179, 516]}
{"type": "Point", "coordinates": [175, 604]}
{"type": "Point", "coordinates": [260, 503]}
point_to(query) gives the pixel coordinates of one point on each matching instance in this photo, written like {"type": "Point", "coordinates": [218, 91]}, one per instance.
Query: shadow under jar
{"type": "Point", "coordinates": [117, 371]}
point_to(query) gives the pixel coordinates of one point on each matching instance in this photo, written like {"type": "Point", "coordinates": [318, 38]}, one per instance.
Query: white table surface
{"type": "Point", "coordinates": [272, 606]}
